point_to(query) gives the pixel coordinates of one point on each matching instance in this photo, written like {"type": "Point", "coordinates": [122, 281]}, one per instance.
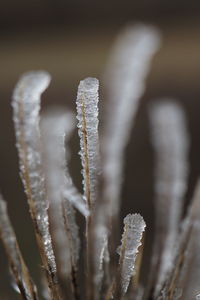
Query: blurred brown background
{"type": "Point", "coordinates": [72, 39]}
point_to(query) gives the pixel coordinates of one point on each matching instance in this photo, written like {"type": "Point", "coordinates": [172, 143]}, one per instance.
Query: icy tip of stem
{"type": "Point", "coordinates": [89, 84]}
{"type": "Point", "coordinates": [135, 221]}
{"type": "Point", "coordinates": [134, 227]}
{"type": "Point", "coordinates": [32, 82]}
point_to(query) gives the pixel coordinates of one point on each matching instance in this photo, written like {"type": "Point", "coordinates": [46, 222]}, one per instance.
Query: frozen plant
{"type": "Point", "coordinates": [80, 262]}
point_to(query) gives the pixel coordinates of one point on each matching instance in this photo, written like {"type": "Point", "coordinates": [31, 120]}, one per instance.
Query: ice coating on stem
{"type": "Point", "coordinates": [125, 83]}
{"type": "Point", "coordinates": [189, 285]}
{"type": "Point", "coordinates": [134, 227]}
{"type": "Point", "coordinates": [101, 253]}
{"type": "Point", "coordinates": [20, 273]}
{"type": "Point", "coordinates": [87, 115]}
{"type": "Point", "coordinates": [75, 198]}
{"type": "Point", "coordinates": [26, 107]}
{"type": "Point", "coordinates": [177, 284]}
{"type": "Point", "coordinates": [170, 140]}
{"type": "Point", "coordinates": [57, 126]}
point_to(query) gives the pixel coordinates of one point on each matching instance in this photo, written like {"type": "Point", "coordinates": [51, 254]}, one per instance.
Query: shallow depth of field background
{"type": "Point", "coordinates": [72, 39]}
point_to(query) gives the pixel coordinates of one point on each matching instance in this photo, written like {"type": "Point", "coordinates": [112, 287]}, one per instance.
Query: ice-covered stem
{"type": "Point", "coordinates": [125, 83]}
{"type": "Point", "coordinates": [26, 107]}
{"type": "Point", "coordinates": [87, 115]}
{"type": "Point", "coordinates": [182, 280]}
{"type": "Point", "coordinates": [170, 140]}
{"type": "Point", "coordinates": [134, 227]}
{"type": "Point", "coordinates": [57, 126]}
{"type": "Point", "coordinates": [101, 256]}
{"type": "Point", "coordinates": [20, 273]}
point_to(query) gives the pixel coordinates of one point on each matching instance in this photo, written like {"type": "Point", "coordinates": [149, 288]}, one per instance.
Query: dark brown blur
{"type": "Point", "coordinates": [72, 39]}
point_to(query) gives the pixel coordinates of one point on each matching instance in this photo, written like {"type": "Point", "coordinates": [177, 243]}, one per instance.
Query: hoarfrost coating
{"type": "Point", "coordinates": [26, 107]}
{"type": "Point", "coordinates": [87, 115]}
{"type": "Point", "coordinates": [20, 273]}
{"type": "Point", "coordinates": [57, 127]}
{"type": "Point", "coordinates": [125, 81]}
{"type": "Point", "coordinates": [134, 227]}
{"type": "Point", "coordinates": [170, 140]}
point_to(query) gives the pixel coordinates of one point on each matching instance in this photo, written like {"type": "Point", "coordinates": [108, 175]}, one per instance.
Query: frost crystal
{"type": "Point", "coordinates": [22, 279]}
{"type": "Point", "coordinates": [26, 106]}
{"type": "Point", "coordinates": [125, 80]}
{"type": "Point", "coordinates": [134, 227]}
{"type": "Point", "coordinates": [87, 115]}
{"type": "Point", "coordinates": [56, 129]}
{"type": "Point", "coordinates": [170, 140]}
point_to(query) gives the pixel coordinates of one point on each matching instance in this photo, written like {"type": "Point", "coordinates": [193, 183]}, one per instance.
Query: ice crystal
{"type": "Point", "coordinates": [134, 226]}
{"type": "Point", "coordinates": [170, 140]}
{"type": "Point", "coordinates": [87, 115]}
{"type": "Point", "coordinates": [125, 81]}
{"type": "Point", "coordinates": [21, 277]}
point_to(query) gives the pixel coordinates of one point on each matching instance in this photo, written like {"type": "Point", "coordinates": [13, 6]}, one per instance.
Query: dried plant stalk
{"type": "Point", "coordinates": [20, 273]}
{"type": "Point", "coordinates": [170, 140]}
{"type": "Point", "coordinates": [26, 106]}
{"type": "Point", "coordinates": [125, 82]}
{"type": "Point", "coordinates": [57, 127]}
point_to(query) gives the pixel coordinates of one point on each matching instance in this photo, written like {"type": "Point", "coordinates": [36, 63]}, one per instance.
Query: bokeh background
{"type": "Point", "coordinates": [72, 39]}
